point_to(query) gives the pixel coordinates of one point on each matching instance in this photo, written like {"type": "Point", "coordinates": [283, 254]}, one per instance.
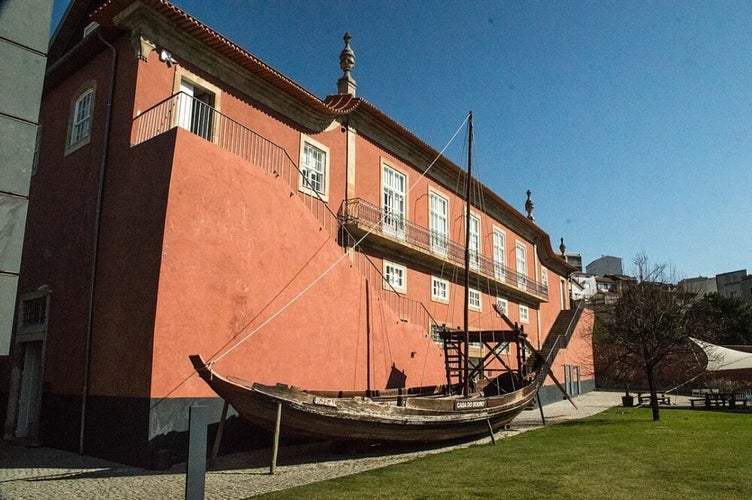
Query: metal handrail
{"type": "Point", "coordinates": [359, 211]}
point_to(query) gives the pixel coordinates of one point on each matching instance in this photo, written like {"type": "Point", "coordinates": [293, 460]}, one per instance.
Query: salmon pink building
{"type": "Point", "coordinates": [190, 199]}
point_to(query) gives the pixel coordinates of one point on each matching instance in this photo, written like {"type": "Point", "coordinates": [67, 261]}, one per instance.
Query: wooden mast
{"type": "Point", "coordinates": [466, 368]}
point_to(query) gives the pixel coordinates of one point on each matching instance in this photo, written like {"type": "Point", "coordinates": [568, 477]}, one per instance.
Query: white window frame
{"type": "Point", "coordinates": [499, 254]}
{"type": "Point", "coordinates": [524, 314]}
{"type": "Point", "coordinates": [544, 278]}
{"type": "Point", "coordinates": [81, 117]}
{"type": "Point", "coordinates": [475, 300]}
{"type": "Point", "coordinates": [434, 329]}
{"type": "Point", "coordinates": [393, 201]}
{"type": "Point", "coordinates": [474, 246]}
{"type": "Point", "coordinates": [190, 84]}
{"type": "Point", "coordinates": [439, 290]}
{"type": "Point", "coordinates": [521, 257]}
{"type": "Point", "coordinates": [33, 330]}
{"type": "Point", "coordinates": [503, 305]}
{"type": "Point", "coordinates": [320, 185]}
{"type": "Point", "coordinates": [438, 216]}
{"type": "Point", "coordinates": [395, 275]}
{"type": "Point", "coordinates": [196, 114]}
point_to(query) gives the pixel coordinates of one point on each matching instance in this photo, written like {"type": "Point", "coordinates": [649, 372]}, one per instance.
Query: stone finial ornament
{"type": "Point", "coordinates": [346, 84]}
{"type": "Point", "coordinates": [529, 207]}
{"type": "Point", "coordinates": [562, 247]}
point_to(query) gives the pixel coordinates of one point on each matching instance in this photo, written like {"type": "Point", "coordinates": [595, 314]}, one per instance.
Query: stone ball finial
{"type": "Point", "coordinates": [562, 247]}
{"type": "Point", "coordinates": [529, 205]}
{"type": "Point", "coordinates": [346, 84]}
{"type": "Point", "coordinates": [347, 56]}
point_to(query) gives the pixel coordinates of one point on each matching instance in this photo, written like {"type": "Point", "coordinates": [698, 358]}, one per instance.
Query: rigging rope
{"type": "Point", "coordinates": [336, 262]}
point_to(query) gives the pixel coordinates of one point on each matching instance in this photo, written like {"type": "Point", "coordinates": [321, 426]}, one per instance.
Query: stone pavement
{"type": "Point", "coordinates": [45, 473]}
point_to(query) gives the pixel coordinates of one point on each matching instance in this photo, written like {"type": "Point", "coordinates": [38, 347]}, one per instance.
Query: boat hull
{"type": "Point", "coordinates": [410, 419]}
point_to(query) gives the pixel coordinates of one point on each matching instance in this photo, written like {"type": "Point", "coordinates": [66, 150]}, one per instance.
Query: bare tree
{"type": "Point", "coordinates": [647, 325]}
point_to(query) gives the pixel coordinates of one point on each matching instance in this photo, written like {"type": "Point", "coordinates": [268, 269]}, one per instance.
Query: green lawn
{"type": "Point", "coordinates": [620, 453]}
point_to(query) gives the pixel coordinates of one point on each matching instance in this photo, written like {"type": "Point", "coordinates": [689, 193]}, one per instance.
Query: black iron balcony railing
{"type": "Point", "coordinates": [201, 119]}
{"type": "Point", "coordinates": [371, 218]}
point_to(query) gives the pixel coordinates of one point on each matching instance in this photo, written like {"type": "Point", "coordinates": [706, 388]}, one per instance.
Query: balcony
{"type": "Point", "coordinates": [397, 236]}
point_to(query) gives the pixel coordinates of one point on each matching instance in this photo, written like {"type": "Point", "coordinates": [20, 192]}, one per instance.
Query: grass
{"type": "Point", "coordinates": [618, 454]}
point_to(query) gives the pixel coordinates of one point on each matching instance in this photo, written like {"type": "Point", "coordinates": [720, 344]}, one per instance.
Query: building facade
{"type": "Point", "coordinates": [192, 199]}
{"type": "Point", "coordinates": [730, 284]}
{"type": "Point", "coordinates": [606, 265]}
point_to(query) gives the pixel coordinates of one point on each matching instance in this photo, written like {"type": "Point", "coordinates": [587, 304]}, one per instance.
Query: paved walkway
{"type": "Point", "coordinates": [41, 473]}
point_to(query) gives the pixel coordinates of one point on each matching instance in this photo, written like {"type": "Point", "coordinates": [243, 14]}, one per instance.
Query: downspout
{"type": "Point", "coordinates": [537, 273]}
{"type": "Point", "coordinates": [95, 242]}
{"type": "Point", "coordinates": [346, 206]}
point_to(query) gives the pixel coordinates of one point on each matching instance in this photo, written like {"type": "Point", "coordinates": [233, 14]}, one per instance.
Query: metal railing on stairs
{"type": "Point", "coordinates": [556, 341]}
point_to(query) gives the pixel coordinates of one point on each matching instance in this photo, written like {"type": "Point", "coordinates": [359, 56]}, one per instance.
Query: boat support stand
{"type": "Point", "coordinates": [490, 431]}
{"type": "Point", "coordinates": [540, 407]}
{"type": "Point", "coordinates": [218, 437]}
{"type": "Point", "coordinates": [275, 447]}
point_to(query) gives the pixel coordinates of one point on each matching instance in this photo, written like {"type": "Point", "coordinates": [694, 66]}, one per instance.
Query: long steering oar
{"type": "Point", "coordinates": [550, 372]}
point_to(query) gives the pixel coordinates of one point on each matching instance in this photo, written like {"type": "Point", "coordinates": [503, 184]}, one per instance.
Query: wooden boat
{"type": "Point", "coordinates": [421, 414]}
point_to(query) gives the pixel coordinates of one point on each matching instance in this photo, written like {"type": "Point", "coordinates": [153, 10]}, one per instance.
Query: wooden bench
{"type": "Point", "coordinates": [645, 398]}
{"type": "Point", "coordinates": [721, 400]}
{"type": "Point", "coordinates": [693, 401]}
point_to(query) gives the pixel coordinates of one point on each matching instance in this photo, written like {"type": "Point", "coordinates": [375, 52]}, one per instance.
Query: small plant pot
{"type": "Point", "coordinates": [627, 401]}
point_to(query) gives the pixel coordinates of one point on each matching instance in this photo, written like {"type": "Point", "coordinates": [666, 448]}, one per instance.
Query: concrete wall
{"type": "Point", "coordinates": [24, 28]}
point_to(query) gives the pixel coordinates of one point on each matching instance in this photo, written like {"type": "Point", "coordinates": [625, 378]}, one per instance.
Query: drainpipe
{"type": "Point", "coordinates": [95, 241]}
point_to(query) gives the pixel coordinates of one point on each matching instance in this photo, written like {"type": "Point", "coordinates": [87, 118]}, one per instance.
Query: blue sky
{"type": "Point", "coordinates": [630, 121]}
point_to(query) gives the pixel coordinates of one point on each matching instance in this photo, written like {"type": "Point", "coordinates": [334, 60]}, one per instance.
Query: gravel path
{"type": "Point", "coordinates": [41, 473]}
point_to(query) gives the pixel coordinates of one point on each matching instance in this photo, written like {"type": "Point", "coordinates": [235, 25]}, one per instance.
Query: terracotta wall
{"type": "Point", "coordinates": [59, 241]}
{"type": "Point", "coordinates": [238, 247]}
{"type": "Point", "coordinates": [579, 351]}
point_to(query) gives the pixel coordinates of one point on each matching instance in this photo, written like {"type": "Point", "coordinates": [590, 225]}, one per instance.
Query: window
{"type": "Point", "coordinates": [89, 29]}
{"type": "Point", "coordinates": [524, 314]}
{"type": "Point", "coordinates": [503, 305]}
{"type": "Point", "coordinates": [394, 195]}
{"type": "Point", "coordinates": [396, 276]}
{"type": "Point", "coordinates": [474, 246]}
{"type": "Point", "coordinates": [521, 266]}
{"type": "Point", "coordinates": [314, 165]}
{"type": "Point", "coordinates": [499, 255]}
{"type": "Point", "coordinates": [436, 333]}
{"type": "Point", "coordinates": [439, 221]}
{"type": "Point", "coordinates": [33, 313]}
{"type": "Point", "coordinates": [439, 289]}
{"type": "Point", "coordinates": [196, 109]}
{"type": "Point", "coordinates": [474, 299]}
{"type": "Point", "coordinates": [80, 124]}
{"type": "Point", "coordinates": [544, 278]}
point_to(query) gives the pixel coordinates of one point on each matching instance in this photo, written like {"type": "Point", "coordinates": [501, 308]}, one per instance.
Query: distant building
{"type": "Point", "coordinates": [699, 285]}
{"type": "Point", "coordinates": [574, 259]}
{"type": "Point", "coordinates": [605, 265]}
{"type": "Point", "coordinates": [746, 288]}
{"type": "Point", "coordinates": [730, 284]}
{"type": "Point", "coordinates": [583, 286]}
